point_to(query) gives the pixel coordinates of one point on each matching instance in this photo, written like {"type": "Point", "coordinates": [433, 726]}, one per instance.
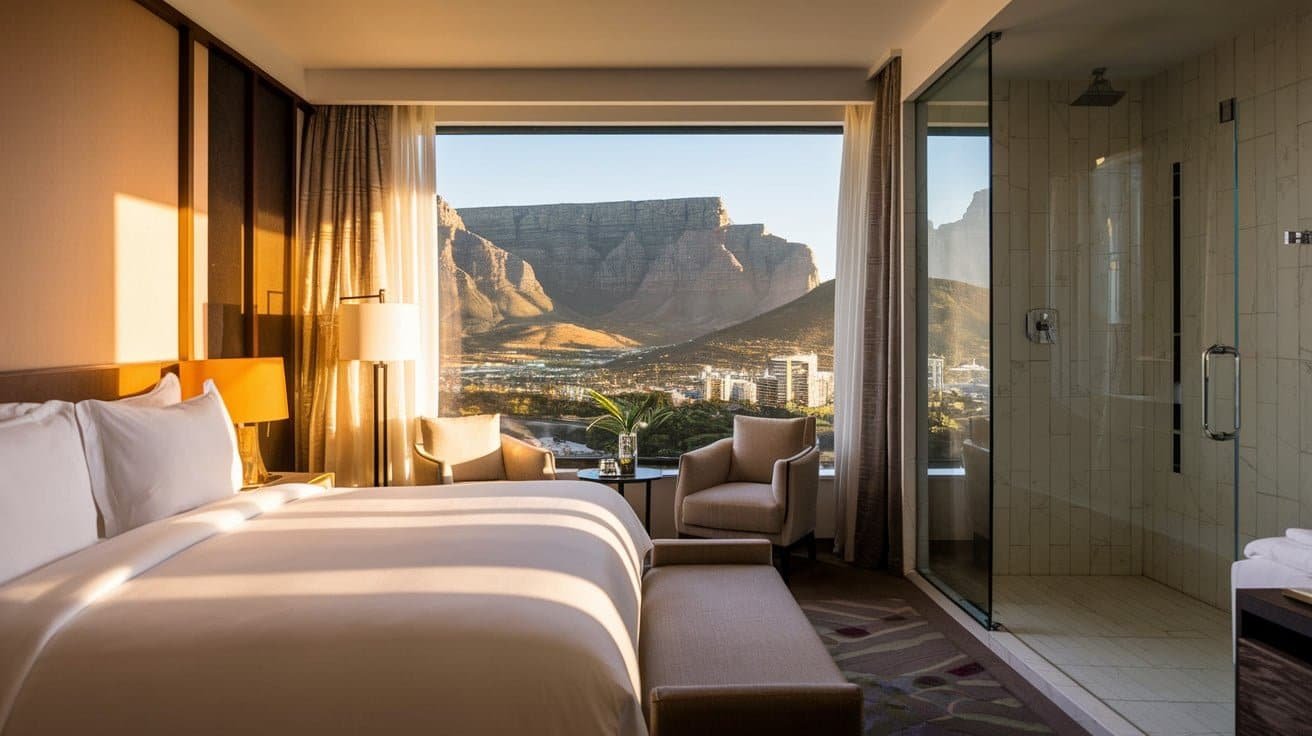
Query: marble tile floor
{"type": "Point", "coordinates": [1157, 657]}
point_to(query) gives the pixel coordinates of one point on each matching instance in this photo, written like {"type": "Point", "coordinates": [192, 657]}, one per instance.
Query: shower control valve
{"type": "Point", "coordinates": [1041, 325]}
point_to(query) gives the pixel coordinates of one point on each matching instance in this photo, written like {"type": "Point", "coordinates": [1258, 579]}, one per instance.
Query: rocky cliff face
{"type": "Point", "coordinates": [959, 251]}
{"type": "Point", "coordinates": [491, 285]}
{"type": "Point", "coordinates": [655, 270]}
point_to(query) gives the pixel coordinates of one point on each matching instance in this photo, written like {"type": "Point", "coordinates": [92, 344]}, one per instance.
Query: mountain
{"type": "Point", "coordinates": [959, 316]}
{"type": "Point", "coordinates": [959, 321]}
{"type": "Point", "coordinates": [544, 338]}
{"type": "Point", "coordinates": [803, 325]}
{"type": "Point", "coordinates": [959, 251]}
{"type": "Point", "coordinates": [490, 285]}
{"type": "Point", "coordinates": [658, 271]}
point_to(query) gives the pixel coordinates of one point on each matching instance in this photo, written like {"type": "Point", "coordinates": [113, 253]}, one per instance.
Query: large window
{"type": "Point", "coordinates": [696, 265]}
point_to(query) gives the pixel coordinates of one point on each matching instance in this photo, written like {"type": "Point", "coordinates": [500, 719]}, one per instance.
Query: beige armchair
{"type": "Point", "coordinates": [761, 483]}
{"type": "Point", "coordinates": [472, 448]}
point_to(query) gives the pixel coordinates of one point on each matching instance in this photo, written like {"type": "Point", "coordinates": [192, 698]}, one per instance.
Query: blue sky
{"type": "Point", "coordinates": [958, 166]}
{"type": "Point", "coordinates": [787, 182]}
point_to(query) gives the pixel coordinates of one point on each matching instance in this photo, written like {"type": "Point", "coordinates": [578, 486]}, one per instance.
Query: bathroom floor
{"type": "Point", "coordinates": [1156, 656]}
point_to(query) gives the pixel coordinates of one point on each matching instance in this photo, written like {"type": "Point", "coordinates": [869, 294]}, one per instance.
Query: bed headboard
{"type": "Point", "coordinates": [106, 382]}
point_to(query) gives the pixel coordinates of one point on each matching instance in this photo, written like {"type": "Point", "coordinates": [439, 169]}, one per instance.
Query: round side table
{"type": "Point", "coordinates": [640, 475]}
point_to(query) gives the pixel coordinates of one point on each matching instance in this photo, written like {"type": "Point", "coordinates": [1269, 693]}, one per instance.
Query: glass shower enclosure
{"type": "Point", "coordinates": [954, 266]}
{"type": "Point", "coordinates": [1094, 265]}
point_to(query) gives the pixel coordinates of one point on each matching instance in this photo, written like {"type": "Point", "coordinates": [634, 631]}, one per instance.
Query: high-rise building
{"type": "Point", "coordinates": [820, 390]}
{"type": "Point", "coordinates": [794, 375]}
{"type": "Point", "coordinates": [713, 387]}
{"type": "Point", "coordinates": [767, 391]}
{"type": "Point", "coordinates": [936, 366]}
{"type": "Point", "coordinates": [742, 390]}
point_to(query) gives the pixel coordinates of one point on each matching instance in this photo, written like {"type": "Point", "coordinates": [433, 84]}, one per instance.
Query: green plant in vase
{"type": "Point", "coordinates": [624, 418]}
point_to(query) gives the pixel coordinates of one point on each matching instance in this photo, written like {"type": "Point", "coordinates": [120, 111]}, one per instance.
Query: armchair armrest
{"type": "Point", "coordinates": [710, 552]}
{"type": "Point", "coordinates": [704, 467]}
{"type": "Point", "coordinates": [525, 461]}
{"type": "Point", "coordinates": [444, 476]}
{"type": "Point", "coordinates": [700, 469]}
{"type": "Point", "coordinates": [796, 482]}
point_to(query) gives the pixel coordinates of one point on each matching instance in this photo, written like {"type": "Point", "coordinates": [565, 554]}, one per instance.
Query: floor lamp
{"type": "Point", "coordinates": [378, 332]}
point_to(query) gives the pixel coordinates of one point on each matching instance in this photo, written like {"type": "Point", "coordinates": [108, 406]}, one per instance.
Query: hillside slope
{"type": "Point", "coordinates": [803, 325]}
{"type": "Point", "coordinates": [545, 337]}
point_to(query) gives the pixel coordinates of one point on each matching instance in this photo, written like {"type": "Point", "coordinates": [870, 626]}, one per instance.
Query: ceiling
{"type": "Point", "coordinates": [1054, 39]}
{"type": "Point", "coordinates": [509, 34]}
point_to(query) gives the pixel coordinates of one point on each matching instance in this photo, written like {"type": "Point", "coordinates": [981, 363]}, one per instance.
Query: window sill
{"type": "Point", "coordinates": [958, 472]}
{"type": "Point", "coordinates": [825, 473]}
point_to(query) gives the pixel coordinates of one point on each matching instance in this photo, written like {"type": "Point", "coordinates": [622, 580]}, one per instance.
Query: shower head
{"type": "Point", "coordinates": [1099, 93]}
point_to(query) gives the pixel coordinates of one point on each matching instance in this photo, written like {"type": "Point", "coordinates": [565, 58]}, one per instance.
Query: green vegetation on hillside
{"type": "Point", "coordinates": [958, 321]}
{"type": "Point", "coordinates": [803, 325]}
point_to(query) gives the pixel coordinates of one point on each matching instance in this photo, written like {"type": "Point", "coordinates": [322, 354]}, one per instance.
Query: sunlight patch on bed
{"type": "Point", "coordinates": [548, 586]}
{"type": "Point", "coordinates": [625, 552]}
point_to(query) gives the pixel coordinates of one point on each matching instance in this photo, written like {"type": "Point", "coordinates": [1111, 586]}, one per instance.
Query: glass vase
{"type": "Point", "coordinates": [627, 452]}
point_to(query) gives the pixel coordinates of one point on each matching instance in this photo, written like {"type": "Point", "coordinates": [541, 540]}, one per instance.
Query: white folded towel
{"type": "Point", "coordinates": [1302, 536]}
{"type": "Point", "coordinates": [1283, 551]}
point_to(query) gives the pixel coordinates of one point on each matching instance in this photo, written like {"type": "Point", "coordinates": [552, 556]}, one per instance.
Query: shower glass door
{"type": "Point", "coordinates": [954, 258]}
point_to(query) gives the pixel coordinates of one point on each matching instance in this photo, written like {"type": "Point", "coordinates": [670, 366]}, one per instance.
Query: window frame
{"type": "Point", "coordinates": [455, 129]}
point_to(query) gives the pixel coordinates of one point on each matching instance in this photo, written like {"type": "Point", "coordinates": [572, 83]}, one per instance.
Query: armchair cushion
{"type": "Point", "coordinates": [744, 507]}
{"type": "Point", "coordinates": [469, 448]}
{"type": "Point", "coordinates": [758, 442]}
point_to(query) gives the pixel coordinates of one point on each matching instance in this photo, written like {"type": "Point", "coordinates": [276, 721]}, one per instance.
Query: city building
{"type": "Point", "coordinates": [820, 389]}
{"type": "Point", "coordinates": [794, 377]}
{"type": "Point", "coordinates": [743, 390]}
{"type": "Point", "coordinates": [713, 387]}
{"type": "Point", "coordinates": [767, 391]}
{"type": "Point", "coordinates": [936, 366]}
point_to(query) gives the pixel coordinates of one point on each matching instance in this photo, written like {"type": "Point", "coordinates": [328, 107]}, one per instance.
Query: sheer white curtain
{"type": "Point", "coordinates": [411, 273]}
{"type": "Point", "coordinates": [849, 316]}
{"type": "Point", "coordinates": [368, 222]}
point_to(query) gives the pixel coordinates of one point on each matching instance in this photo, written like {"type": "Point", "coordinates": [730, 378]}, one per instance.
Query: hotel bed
{"type": "Point", "coordinates": [481, 608]}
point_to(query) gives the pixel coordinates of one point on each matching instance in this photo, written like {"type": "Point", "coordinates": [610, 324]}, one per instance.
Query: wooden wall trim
{"type": "Point", "coordinates": [186, 191]}
{"type": "Point", "coordinates": [105, 382]}
{"type": "Point", "coordinates": [200, 35]}
{"type": "Point", "coordinates": [251, 305]}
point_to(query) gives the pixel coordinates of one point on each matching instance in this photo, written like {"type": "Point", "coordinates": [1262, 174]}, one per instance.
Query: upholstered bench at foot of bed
{"type": "Point", "coordinates": [725, 649]}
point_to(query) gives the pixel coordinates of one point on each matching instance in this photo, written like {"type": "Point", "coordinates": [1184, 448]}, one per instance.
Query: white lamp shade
{"type": "Point", "coordinates": [378, 332]}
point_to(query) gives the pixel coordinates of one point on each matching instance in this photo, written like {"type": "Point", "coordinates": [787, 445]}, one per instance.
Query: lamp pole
{"type": "Point", "coordinates": [380, 370]}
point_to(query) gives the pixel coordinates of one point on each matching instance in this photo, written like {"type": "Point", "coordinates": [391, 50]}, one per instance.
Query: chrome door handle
{"type": "Point", "coordinates": [1207, 392]}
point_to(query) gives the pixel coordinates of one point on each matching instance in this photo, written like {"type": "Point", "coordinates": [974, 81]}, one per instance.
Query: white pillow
{"type": "Point", "coordinates": [148, 463]}
{"type": "Point", "coordinates": [45, 493]}
{"type": "Point", "coordinates": [165, 393]}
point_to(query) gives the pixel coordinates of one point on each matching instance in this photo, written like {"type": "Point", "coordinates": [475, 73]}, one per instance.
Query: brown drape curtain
{"type": "Point", "coordinates": [341, 220]}
{"type": "Point", "coordinates": [878, 532]}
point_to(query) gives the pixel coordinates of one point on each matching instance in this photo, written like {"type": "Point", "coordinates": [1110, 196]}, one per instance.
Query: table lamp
{"type": "Point", "coordinates": [378, 332]}
{"type": "Point", "coordinates": [254, 390]}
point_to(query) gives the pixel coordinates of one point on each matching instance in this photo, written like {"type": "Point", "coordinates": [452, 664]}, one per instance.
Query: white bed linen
{"type": "Point", "coordinates": [480, 608]}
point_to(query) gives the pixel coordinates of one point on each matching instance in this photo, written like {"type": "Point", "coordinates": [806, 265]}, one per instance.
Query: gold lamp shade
{"type": "Point", "coordinates": [253, 390]}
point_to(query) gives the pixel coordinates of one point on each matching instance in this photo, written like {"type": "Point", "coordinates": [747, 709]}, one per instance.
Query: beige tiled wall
{"type": "Point", "coordinates": [1067, 235]}
{"type": "Point", "coordinates": [1082, 458]}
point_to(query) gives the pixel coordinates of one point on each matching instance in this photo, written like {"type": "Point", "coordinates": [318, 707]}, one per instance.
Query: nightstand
{"type": "Point", "coordinates": [278, 478]}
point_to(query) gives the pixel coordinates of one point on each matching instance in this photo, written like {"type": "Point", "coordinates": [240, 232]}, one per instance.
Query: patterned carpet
{"type": "Point", "coordinates": [916, 680]}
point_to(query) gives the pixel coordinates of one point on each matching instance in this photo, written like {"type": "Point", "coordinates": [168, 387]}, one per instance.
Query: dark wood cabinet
{"type": "Point", "coordinates": [1274, 664]}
